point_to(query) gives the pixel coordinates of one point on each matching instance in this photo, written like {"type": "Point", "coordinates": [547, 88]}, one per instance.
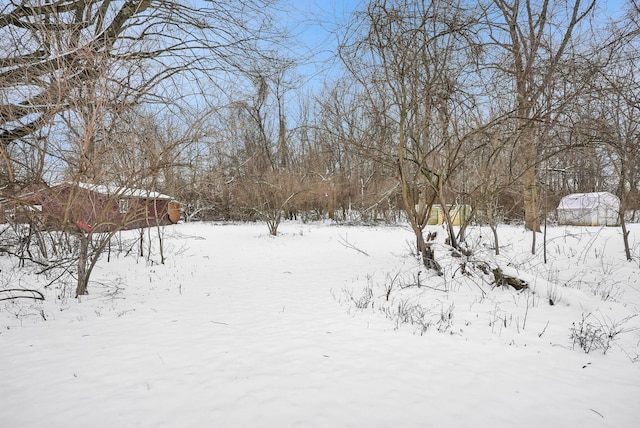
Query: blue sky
{"type": "Point", "coordinates": [319, 22]}
{"type": "Point", "coordinates": [317, 25]}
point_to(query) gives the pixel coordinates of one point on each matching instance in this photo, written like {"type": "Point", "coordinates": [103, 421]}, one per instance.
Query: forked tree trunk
{"type": "Point", "coordinates": [425, 251]}
{"type": "Point", "coordinates": [448, 221]}
{"type": "Point", "coordinates": [273, 221]}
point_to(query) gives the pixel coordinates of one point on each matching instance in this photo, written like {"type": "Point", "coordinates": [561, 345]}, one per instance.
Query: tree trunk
{"type": "Point", "coordinates": [531, 200]}
{"type": "Point", "coordinates": [623, 207]}
{"type": "Point", "coordinates": [448, 220]}
{"type": "Point", "coordinates": [141, 252]}
{"type": "Point", "coordinates": [625, 237]}
{"type": "Point", "coordinates": [493, 225]}
{"type": "Point", "coordinates": [83, 273]}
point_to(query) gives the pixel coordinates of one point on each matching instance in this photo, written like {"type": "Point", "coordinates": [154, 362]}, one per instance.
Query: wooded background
{"type": "Point", "coordinates": [504, 105]}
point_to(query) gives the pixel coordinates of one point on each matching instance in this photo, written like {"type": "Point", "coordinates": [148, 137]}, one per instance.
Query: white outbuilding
{"type": "Point", "coordinates": [589, 209]}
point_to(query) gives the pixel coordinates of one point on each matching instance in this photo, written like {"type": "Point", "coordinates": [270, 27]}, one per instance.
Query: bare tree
{"type": "Point", "coordinates": [611, 114]}
{"type": "Point", "coordinates": [73, 71]}
{"type": "Point", "coordinates": [352, 155]}
{"type": "Point", "coordinates": [534, 37]}
{"type": "Point", "coordinates": [54, 52]}
{"type": "Point", "coordinates": [411, 57]}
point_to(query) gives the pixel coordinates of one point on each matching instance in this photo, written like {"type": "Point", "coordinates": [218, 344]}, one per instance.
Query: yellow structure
{"type": "Point", "coordinates": [458, 214]}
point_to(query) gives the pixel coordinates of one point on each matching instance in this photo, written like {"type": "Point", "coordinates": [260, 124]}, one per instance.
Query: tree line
{"type": "Point", "coordinates": [502, 105]}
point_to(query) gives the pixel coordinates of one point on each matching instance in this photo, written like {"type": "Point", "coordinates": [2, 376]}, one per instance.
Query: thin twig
{"type": "Point", "coordinates": [347, 244]}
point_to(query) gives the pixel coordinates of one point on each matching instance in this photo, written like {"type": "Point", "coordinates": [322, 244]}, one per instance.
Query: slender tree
{"type": "Point", "coordinates": [534, 37]}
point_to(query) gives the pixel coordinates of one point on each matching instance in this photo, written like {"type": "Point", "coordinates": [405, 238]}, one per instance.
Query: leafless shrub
{"type": "Point", "coordinates": [593, 333]}
{"type": "Point", "coordinates": [362, 301]}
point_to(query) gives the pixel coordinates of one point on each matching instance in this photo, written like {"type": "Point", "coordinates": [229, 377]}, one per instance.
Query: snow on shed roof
{"type": "Point", "coordinates": [113, 190]}
{"type": "Point", "coordinates": [589, 200]}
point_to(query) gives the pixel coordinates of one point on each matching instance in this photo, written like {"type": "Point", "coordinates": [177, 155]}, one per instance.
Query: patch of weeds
{"type": "Point", "coordinates": [592, 333]}
{"type": "Point", "coordinates": [607, 292]}
{"type": "Point", "coordinates": [608, 269]}
{"type": "Point", "coordinates": [407, 313]}
{"type": "Point", "coordinates": [363, 301]}
{"type": "Point", "coordinates": [498, 319]}
{"type": "Point", "coordinates": [404, 313]}
{"type": "Point", "coordinates": [446, 317]}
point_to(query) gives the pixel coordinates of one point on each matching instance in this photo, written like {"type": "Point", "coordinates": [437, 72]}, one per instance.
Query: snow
{"type": "Point", "coordinates": [240, 329]}
{"type": "Point", "coordinates": [109, 190]}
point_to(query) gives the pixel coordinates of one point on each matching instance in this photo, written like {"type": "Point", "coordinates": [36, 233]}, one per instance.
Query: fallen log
{"type": "Point", "coordinates": [501, 280]}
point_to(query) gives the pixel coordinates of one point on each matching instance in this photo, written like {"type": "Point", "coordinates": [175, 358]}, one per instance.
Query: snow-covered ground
{"type": "Point", "coordinates": [326, 326]}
